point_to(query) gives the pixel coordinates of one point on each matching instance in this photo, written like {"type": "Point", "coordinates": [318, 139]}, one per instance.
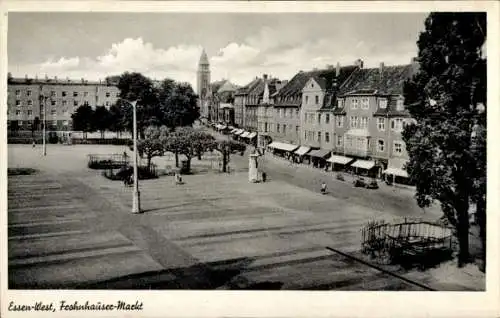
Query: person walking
{"type": "Point", "coordinates": [264, 177]}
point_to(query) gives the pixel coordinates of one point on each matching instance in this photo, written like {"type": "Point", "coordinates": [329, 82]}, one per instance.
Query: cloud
{"type": "Point", "coordinates": [61, 64]}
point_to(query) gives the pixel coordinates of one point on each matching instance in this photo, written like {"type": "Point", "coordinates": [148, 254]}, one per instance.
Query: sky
{"type": "Point", "coordinates": [240, 46]}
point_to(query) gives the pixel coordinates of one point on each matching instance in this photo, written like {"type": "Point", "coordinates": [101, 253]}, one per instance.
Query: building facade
{"type": "Point", "coordinates": [26, 99]}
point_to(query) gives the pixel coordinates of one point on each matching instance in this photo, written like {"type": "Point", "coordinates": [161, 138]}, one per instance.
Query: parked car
{"type": "Point", "coordinates": [360, 182]}
{"type": "Point", "coordinates": [372, 184]}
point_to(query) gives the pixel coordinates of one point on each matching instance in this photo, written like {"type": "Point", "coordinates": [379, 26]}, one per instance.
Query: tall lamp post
{"type": "Point", "coordinates": [43, 99]}
{"type": "Point", "coordinates": [136, 204]}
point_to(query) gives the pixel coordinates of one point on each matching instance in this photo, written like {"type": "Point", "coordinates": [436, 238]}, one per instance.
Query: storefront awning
{"type": "Point", "coordinates": [252, 135]}
{"type": "Point", "coordinates": [282, 146]}
{"type": "Point", "coordinates": [363, 164]}
{"type": "Point", "coordinates": [397, 172]}
{"type": "Point", "coordinates": [340, 159]}
{"type": "Point", "coordinates": [239, 132]}
{"type": "Point", "coordinates": [320, 153]}
{"type": "Point", "coordinates": [245, 134]}
{"type": "Point", "coordinates": [234, 130]}
{"type": "Point", "coordinates": [302, 150]}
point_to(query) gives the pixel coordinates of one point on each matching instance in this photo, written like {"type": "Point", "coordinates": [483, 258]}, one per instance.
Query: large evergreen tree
{"type": "Point", "coordinates": [444, 98]}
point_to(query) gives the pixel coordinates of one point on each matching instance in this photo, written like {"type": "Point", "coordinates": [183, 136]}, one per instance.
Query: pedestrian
{"type": "Point", "coordinates": [34, 143]}
{"type": "Point", "coordinates": [323, 188]}
{"type": "Point", "coordinates": [264, 177]}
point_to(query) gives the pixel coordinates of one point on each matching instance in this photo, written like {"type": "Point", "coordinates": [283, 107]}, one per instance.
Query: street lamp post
{"type": "Point", "coordinates": [136, 205]}
{"type": "Point", "coordinates": [43, 99]}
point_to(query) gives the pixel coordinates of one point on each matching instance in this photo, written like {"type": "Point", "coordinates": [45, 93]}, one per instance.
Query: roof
{"type": "Point", "coordinates": [49, 81]}
{"type": "Point", "coordinates": [245, 89]}
{"type": "Point", "coordinates": [371, 81]}
{"type": "Point", "coordinates": [227, 86]}
{"type": "Point", "coordinates": [291, 93]}
{"type": "Point", "coordinates": [203, 58]}
{"type": "Point", "coordinates": [215, 86]}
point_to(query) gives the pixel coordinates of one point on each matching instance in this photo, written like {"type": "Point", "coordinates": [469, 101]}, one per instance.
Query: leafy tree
{"type": "Point", "coordinates": [189, 142]}
{"type": "Point", "coordinates": [101, 119]}
{"type": "Point", "coordinates": [228, 147]}
{"type": "Point", "coordinates": [178, 104]}
{"type": "Point", "coordinates": [82, 119]}
{"type": "Point", "coordinates": [115, 119]}
{"type": "Point", "coordinates": [153, 145]}
{"type": "Point", "coordinates": [443, 98]}
{"type": "Point", "coordinates": [137, 87]}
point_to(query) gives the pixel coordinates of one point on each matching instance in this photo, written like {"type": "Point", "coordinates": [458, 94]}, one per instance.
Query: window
{"type": "Point", "coordinates": [18, 92]}
{"type": "Point", "coordinates": [64, 94]}
{"type": "Point", "coordinates": [327, 118]}
{"type": "Point", "coordinates": [305, 135]}
{"type": "Point", "coordinates": [382, 103]}
{"type": "Point", "coordinates": [30, 112]}
{"type": "Point", "coordinates": [365, 103]}
{"type": "Point", "coordinates": [316, 99]}
{"type": "Point", "coordinates": [85, 94]}
{"type": "Point", "coordinates": [53, 102]}
{"type": "Point", "coordinates": [30, 102]}
{"type": "Point", "coordinates": [354, 103]}
{"type": "Point", "coordinates": [18, 102]}
{"type": "Point", "coordinates": [339, 141]}
{"type": "Point", "coordinates": [65, 123]}
{"type": "Point", "coordinates": [53, 112]}
{"type": "Point", "coordinates": [64, 102]}
{"type": "Point", "coordinates": [265, 127]}
{"type": "Point", "coordinates": [398, 148]}
{"type": "Point", "coordinates": [399, 105]}
{"type": "Point", "coordinates": [327, 137]}
{"type": "Point", "coordinates": [297, 113]}
{"type": "Point", "coordinates": [380, 145]}
{"type": "Point", "coordinates": [107, 103]}
{"type": "Point", "coordinates": [291, 112]}
{"type": "Point", "coordinates": [339, 103]}
{"type": "Point", "coordinates": [284, 128]}
{"type": "Point", "coordinates": [307, 99]}
{"type": "Point", "coordinates": [319, 136]}
{"type": "Point", "coordinates": [28, 93]}
{"type": "Point", "coordinates": [381, 124]}
{"type": "Point", "coordinates": [53, 93]}
{"type": "Point", "coordinates": [277, 127]}
{"type": "Point", "coordinates": [397, 124]}
{"type": "Point", "coordinates": [354, 121]}
{"type": "Point", "coordinates": [297, 130]}
{"type": "Point", "coordinates": [281, 112]}
{"type": "Point", "coordinates": [75, 94]}
{"type": "Point", "coordinates": [340, 121]}
{"type": "Point", "coordinates": [108, 94]}
{"type": "Point", "coordinates": [364, 122]}
{"type": "Point", "coordinates": [54, 123]}
{"type": "Point", "coordinates": [75, 103]}
{"type": "Point", "coordinates": [18, 112]}
{"type": "Point", "coordinates": [20, 123]}
{"type": "Point", "coordinates": [319, 118]}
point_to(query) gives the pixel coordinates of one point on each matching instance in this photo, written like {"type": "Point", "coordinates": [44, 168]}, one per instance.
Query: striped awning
{"type": "Point", "coordinates": [302, 150]}
{"type": "Point", "coordinates": [339, 159]}
{"type": "Point", "coordinates": [282, 146]}
{"type": "Point", "coordinates": [252, 135]}
{"type": "Point", "coordinates": [363, 164]}
{"type": "Point", "coordinates": [239, 132]}
{"type": "Point", "coordinates": [245, 134]}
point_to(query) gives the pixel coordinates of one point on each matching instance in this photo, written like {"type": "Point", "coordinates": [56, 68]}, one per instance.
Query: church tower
{"type": "Point", "coordinates": [203, 75]}
{"type": "Point", "coordinates": [203, 81]}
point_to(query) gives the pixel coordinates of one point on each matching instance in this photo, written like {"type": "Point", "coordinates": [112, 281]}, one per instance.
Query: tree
{"type": "Point", "coordinates": [177, 103]}
{"type": "Point", "coordinates": [115, 119]}
{"type": "Point", "coordinates": [137, 87]}
{"type": "Point", "coordinates": [101, 119]}
{"type": "Point", "coordinates": [443, 96]}
{"type": "Point", "coordinates": [189, 142]}
{"type": "Point", "coordinates": [153, 145]}
{"type": "Point", "coordinates": [82, 119]}
{"type": "Point", "coordinates": [228, 147]}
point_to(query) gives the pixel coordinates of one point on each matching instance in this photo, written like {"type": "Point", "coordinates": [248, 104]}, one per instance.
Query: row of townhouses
{"type": "Point", "coordinates": [334, 115]}
{"type": "Point", "coordinates": [26, 98]}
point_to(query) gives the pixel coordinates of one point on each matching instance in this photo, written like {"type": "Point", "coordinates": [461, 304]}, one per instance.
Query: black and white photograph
{"type": "Point", "coordinates": [245, 151]}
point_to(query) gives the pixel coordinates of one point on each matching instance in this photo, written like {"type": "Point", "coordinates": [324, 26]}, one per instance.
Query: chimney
{"type": "Point", "coordinates": [359, 63]}
{"type": "Point", "coordinates": [337, 70]}
{"type": "Point", "coordinates": [381, 69]}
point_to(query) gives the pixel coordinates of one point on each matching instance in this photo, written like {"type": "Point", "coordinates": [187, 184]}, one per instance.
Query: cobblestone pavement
{"type": "Point", "coordinates": [69, 227]}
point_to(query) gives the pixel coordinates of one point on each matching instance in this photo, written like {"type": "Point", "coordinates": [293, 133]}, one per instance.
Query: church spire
{"type": "Point", "coordinates": [204, 58]}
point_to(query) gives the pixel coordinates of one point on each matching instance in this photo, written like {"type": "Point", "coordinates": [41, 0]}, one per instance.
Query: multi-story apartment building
{"type": "Point", "coordinates": [265, 110]}
{"type": "Point", "coordinates": [221, 93]}
{"type": "Point", "coordinates": [27, 98]}
{"type": "Point", "coordinates": [240, 100]}
{"type": "Point", "coordinates": [318, 101]}
{"type": "Point", "coordinates": [370, 115]}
